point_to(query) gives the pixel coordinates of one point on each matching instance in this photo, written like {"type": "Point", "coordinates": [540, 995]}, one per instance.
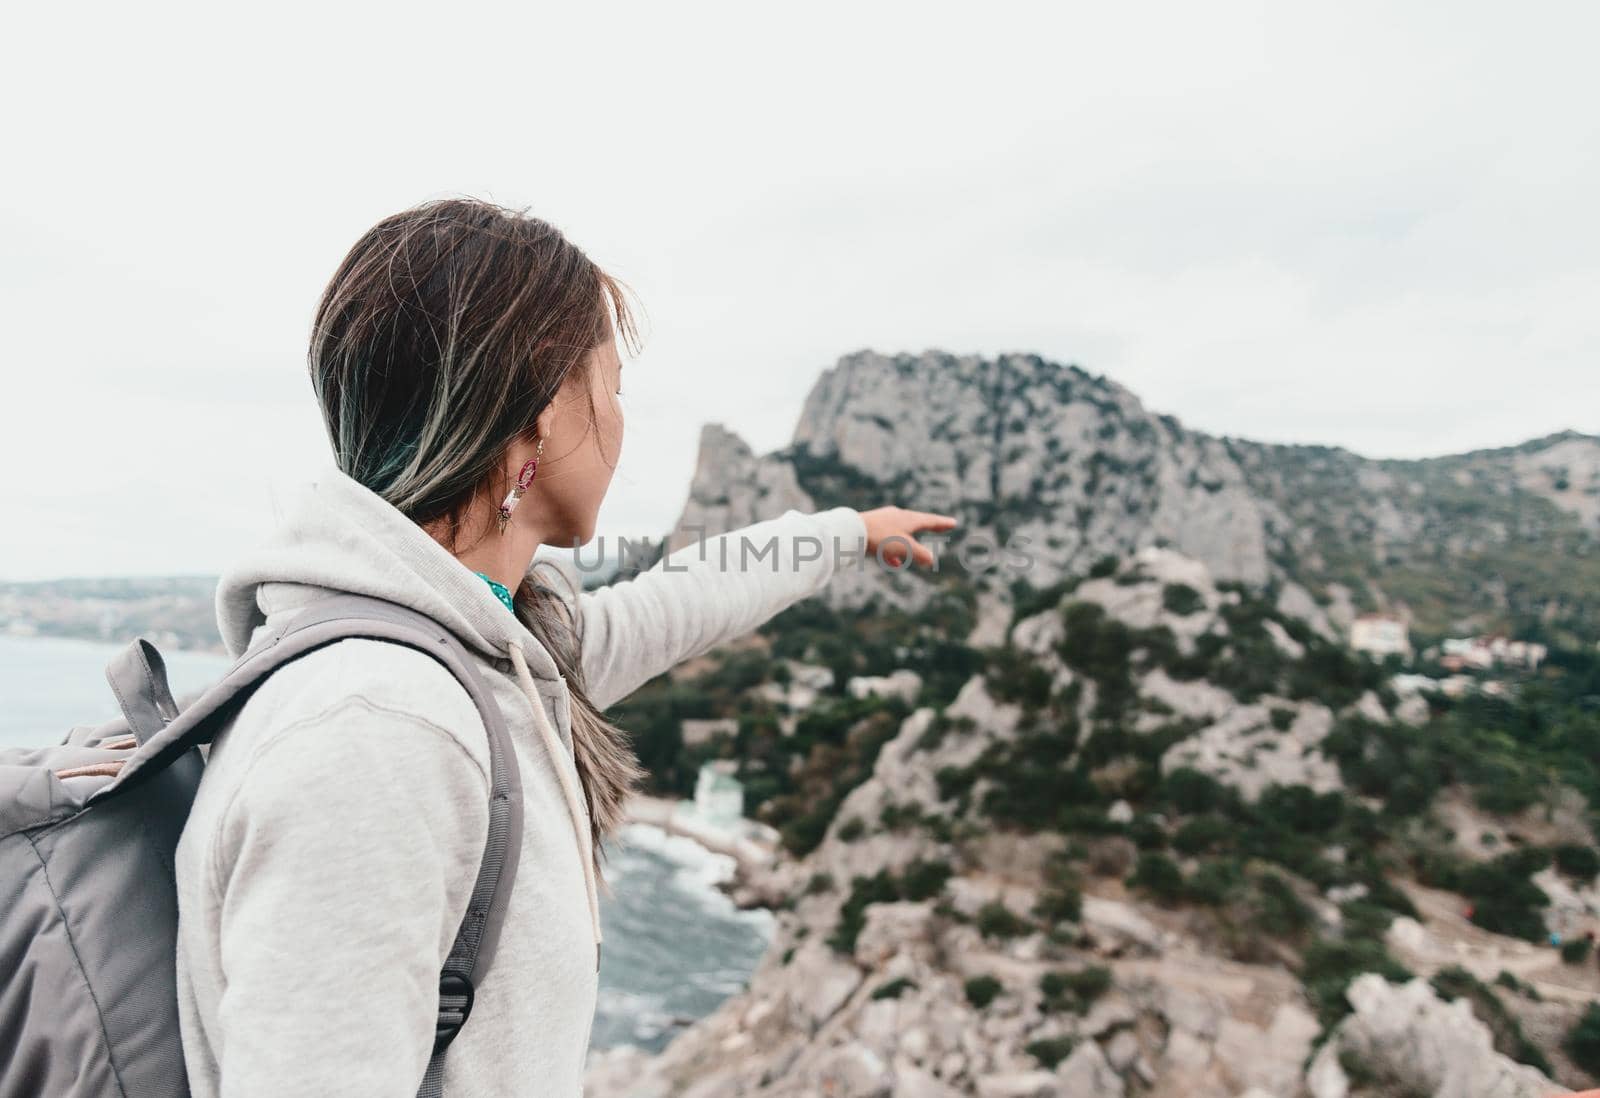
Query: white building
{"type": "Point", "coordinates": [1380, 635]}
{"type": "Point", "coordinates": [1488, 651]}
{"type": "Point", "coordinates": [806, 682]}
{"type": "Point", "coordinates": [696, 732]}
{"type": "Point", "coordinates": [904, 684]}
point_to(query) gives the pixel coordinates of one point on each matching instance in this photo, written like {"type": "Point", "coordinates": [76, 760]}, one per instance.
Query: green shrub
{"type": "Point", "coordinates": [1147, 833]}
{"type": "Point", "coordinates": [1060, 903]}
{"type": "Point", "coordinates": [1300, 809]}
{"type": "Point", "coordinates": [1189, 790]}
{"type": "Point", "coordinates": [1510, 982]}
{"type": "Point", "coordinates": [897, 817]}
{"type": "Point", "coordinates": [805, 833]}
{"type": "Point", "coordinates": [894, 989]}
{"type": "Point", "coordinates": [1582, 1042]}
{"type": "Point", "coordinates": [1332, 674]}
{"type": "Point", "coordinates": [996, 920]}
{"type": "Point", "coordinates": [1160, 876]}
{"type": "Point", "coordinates": [941, 726]}
{"type": "Point", "coordinates": [1575, 951]}
{"type": "Point", "coordinates": [1202, 833]}
{"type": "Point", "coordinates": [1363, 919]}
{"type": "Point", "coordinates": [1504, 900]}
{"type": "Point", "coordinates": [1061, 898]}
{"type": "Point", "coordinates": [1030, 784]}
{"type": "Point", "coordinates": [1109, 743]}
{"type": "Point", "coordinates": [1330, 965]}
{"type": "Point", "coordinates": [1381, 892]}
{"type": "Point", "coordinates": [1279, 911]}
{"type": "Point", "coordinates": [831, 751]}
{"type": "Point", "coordinates": [1577, 861]}
{"type": "Point", "coordinates": [923, 879]}
{"type": "Point", "coordinates": [1507, 786]}
{"type": "Point", "coordinates": [852, 829]}
{"type": "Point", "coordinates": [1015, 676]}
{"type": "Point", "coordinates": [1181, 599]}
{"type": "Point", "coordinates": [1074, 991]}
{"type": "Point", "coordinates": [880, 888]}
{"type": "Point", "coordinates": [981, 990]}
{"type": "Point", "coordinates": [1359, 1071]}
{"type": "Point", "coordinates": [1101, 648]}
{"type": "Point", "coordinates": [945, 666]}
{"type": "Point", "coordinates": [955, 781]}
{"type": "Point", "coordinates": [1026, 600]}
{"type": "Point", "coordinates": [1216, 882]}
{"type": "Point", "coordinates": [1503, 897]}
{"type": "Point", "coordinates": [1050, 1051]}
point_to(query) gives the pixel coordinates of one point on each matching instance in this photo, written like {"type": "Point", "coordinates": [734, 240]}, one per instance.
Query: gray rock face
{"type": "Point", "coordinates": [1243, 750]}
{"type": "Point", "coordinates": [821, 984]}
{"type": "Point", "coordinates": [1116, 925]}
{"type": "Point", "coordinates": [1071, 462]}
{"type": "Point", "coordinates": [732, 487]}
{"type": "Point", "coordinates": [1404, 1036]}
{"type": "Point", "coordinates": [994, 618]}
{"type": "Point", "coordinates": [1270, 1058]}
{"type": "Point", "coordinates": [1027, 1084]}
{"type": "Point", "coordinates": [1565, 470]}
{"type": "Point", "coordinates": [1065, 467]}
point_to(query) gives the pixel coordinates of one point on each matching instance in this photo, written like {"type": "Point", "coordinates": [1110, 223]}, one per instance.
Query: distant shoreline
{"type": "Point", "coordinates": [676, 817]}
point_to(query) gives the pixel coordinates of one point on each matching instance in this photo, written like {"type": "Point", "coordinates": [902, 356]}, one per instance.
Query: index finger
{"type": "Point", "coordinates": [928, 520]}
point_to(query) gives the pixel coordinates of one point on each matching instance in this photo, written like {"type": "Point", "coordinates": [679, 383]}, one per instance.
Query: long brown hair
{"type": "Point", "coordinates": [445, 331]}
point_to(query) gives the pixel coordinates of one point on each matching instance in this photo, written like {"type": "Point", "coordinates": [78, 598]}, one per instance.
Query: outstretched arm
{"type": "Point", "coordinates": [706, 594]}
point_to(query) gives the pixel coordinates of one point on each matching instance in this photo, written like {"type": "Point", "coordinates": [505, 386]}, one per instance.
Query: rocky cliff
{"type": "Point", "coordinates": [1151, 846]}
{"type": "Point", "coordinates": [1136, 822]}
{"type": "Point", "coordinates": [1076, 468]}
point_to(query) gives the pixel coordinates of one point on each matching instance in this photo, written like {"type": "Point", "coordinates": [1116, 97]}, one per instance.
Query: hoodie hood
{"type": "Point", "coordinates": [337, 533]}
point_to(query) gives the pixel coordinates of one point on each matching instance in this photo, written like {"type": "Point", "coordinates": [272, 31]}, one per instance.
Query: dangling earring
{"type": "Point", "coordinates": [524, 478]}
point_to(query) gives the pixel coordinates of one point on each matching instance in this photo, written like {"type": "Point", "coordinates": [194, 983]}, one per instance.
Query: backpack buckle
{"type": "Point", "coordinates": [455, 1004]}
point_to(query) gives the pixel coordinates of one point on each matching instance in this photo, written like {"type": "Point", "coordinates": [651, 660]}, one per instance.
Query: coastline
{"type": "Point", "coordinates": [752, 846]}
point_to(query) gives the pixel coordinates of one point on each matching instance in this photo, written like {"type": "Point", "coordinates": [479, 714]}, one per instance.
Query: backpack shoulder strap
{"type": "Point", "coordinates": [138, 678]}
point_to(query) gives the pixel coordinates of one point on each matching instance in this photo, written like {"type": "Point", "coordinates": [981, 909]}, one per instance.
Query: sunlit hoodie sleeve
{"type": "Point", "coordinates": [703, 595]}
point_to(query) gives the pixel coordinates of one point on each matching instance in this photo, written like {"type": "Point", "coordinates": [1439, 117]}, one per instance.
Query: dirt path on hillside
{"type": "Point", "coordinates": [1451, 939]}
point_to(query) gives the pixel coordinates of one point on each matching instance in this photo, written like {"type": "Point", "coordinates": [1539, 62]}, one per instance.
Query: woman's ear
{"type": "Point", "coordinates": [544, 423]}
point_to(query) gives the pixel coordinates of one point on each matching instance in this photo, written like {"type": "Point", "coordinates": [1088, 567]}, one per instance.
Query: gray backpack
{"type": "Point", "coordinates": [88, 902]}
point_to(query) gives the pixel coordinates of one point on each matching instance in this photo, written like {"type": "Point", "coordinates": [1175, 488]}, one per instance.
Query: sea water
{"type": "Point", "coordinates": [675, 946]}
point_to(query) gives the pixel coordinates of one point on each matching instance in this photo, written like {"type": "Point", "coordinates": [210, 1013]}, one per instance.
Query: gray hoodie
{"type": "Point", "coordinates": [333, 844]}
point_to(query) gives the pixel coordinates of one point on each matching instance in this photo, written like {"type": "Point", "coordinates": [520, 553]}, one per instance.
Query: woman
{"type": "Point", "coordinates": [327, 862]}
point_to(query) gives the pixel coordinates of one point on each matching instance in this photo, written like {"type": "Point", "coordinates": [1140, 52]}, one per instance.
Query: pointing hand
{"type": "Point", "coordinates": [885, 523]}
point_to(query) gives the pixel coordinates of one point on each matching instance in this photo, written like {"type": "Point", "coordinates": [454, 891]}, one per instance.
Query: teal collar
{"type": "Point", "coordinates": [499, 590]}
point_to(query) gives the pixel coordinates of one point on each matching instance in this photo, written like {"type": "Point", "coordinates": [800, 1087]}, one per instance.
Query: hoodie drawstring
{"type": "Point", "coordinates": [566, 772]}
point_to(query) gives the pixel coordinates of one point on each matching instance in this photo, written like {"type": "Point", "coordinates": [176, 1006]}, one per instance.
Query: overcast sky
{"type": "Point", "coordinates": [1369, 225]}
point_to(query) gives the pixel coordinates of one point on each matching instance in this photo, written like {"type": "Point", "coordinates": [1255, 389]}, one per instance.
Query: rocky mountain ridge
{"type": "Point", "coordinates": [1152, 846]}
{"type": "Point", "coordinates": [1136, 821]}
{"type": "Point", "coordinates": [1020, 447]}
